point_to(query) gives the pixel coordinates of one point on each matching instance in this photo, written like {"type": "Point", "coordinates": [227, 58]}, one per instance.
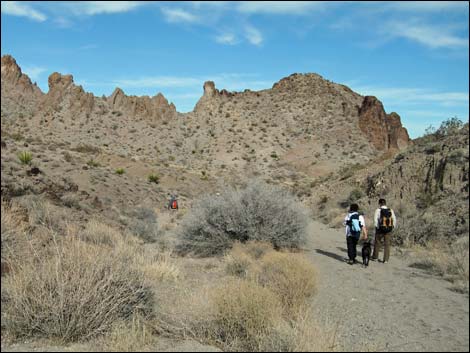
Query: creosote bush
{"type": "Point", "coordinates": [120, 171]}
{"type": "Point", "coordinates": [259, 212]}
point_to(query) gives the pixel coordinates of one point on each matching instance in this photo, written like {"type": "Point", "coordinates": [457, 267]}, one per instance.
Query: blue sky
{"type": "Point", "coordinates": [411, 55]}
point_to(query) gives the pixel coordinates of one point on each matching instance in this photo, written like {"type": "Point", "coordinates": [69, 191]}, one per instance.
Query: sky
{"type": "Point", "coordinates": [412, 55]}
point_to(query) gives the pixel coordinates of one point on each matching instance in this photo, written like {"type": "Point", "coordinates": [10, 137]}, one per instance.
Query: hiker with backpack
{"type": "Point", "coordinates": [355, 224]}
{"type": "Point", "coordinates": [384, 221]}
{"type": "Point", "coordinates": [173, 203]}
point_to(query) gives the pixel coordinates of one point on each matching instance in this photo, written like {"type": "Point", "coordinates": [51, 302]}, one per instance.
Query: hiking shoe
{"type": "Point", "coordinates": [385, 262]}
{"type": "Point", "coordinates": [350, 262]}
{"type": "Point", "coordinates": [373, 259]}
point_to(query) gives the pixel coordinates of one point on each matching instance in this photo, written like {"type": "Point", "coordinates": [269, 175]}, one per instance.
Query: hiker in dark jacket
{"type": "Point", "coordinates": [355, 224]}
{"type": "Point", "coordinates": [384, 222]}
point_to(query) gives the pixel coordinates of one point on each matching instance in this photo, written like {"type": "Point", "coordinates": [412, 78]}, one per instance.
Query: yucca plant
{"type": "Point", "coordinates": [25, 157]}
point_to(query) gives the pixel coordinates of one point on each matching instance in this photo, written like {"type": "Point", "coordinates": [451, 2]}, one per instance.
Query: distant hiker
{"type": "Point", "coordinates": [355, 224]}
{"type": "Point", "coordinates": [384, 222]}
{"type": "Point", "coordinates": [173, 203]}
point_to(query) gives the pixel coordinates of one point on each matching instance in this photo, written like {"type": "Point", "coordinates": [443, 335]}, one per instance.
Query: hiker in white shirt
{"type": "Point", "coordinates": [355, 224]}
{"type": "Point", "coordinates": [384, 222]}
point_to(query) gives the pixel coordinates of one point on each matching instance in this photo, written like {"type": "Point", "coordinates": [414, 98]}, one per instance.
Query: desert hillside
{"type": "Point", "coordinates": [92, 259]}
{"type": "Point", "coordinates": [301, 129]}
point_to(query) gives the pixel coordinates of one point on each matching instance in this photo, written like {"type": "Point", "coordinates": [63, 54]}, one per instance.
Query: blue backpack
{"type": "Point", "coordinates": [355, 226]}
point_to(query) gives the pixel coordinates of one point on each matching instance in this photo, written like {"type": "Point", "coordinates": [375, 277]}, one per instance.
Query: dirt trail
{"type": "Point", "coordinates": [385, 307]}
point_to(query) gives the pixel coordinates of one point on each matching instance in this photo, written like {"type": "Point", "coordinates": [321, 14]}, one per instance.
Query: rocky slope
{"type": "Point", "coordinates": [297, 133]}
{"type": "Point", "coordinates": [427, 185]}
{"type": "Point", "coordinates": [302, 121]}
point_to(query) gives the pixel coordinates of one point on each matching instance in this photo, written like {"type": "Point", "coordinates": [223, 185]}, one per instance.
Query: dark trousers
{"type": "Point", "coordinates": [384, 240]}
{"type": "Point", "coordinates": [352, 243]}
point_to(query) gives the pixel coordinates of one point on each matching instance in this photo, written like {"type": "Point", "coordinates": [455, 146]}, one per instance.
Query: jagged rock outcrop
{"type": "Point", "coordinates": [383, 130]}
{"type": "Point", "coordinates": [19, 94]}
{"type": "Point", "coordinates": [153, 108]}
{"type": "Point", "coordinates": [63, 94]}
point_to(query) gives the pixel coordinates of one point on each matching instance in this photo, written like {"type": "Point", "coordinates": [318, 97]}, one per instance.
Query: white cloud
{"type": "Point", "coordinates": [159, 81]}
{"type": "Point", "coordinates": [433, 37]}
{"type": "Point", "coordinates": [176, 15]}
{"type": "Point", "coordinates": [279, 7]}
{"type": "Point", "coordinates": [102, 7]}
{"type": "Point", "coordinates": [16, 8]}
{"type": "Point", "coordinates": [427, 6]}
{"type": "Point", "coordinates": [253, 35]}
{"type": "Point", "coordinates": [33, 72]}
{"type": "Point", "coordinates": [229, 81]}
{"type": "Point", "coordinates": [414, 95]}
{"type": "Point", "coordinates": [226, 38]}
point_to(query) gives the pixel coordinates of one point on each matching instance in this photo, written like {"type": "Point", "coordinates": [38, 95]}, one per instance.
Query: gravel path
{"type": "Point", "coordinates": [385, 307]}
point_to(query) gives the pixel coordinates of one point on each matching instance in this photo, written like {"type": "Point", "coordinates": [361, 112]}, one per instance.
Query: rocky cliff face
{"type": "Point", "coordinates": [154, 108]}
{"type": "Point", "coordinates": [66, 100]}
{"type": "Point", "coordinates": [383, 130]}
{"type": "Point", "coordinates": [64, 95]}
{"type": "Point", "coordinates": [18, 91]}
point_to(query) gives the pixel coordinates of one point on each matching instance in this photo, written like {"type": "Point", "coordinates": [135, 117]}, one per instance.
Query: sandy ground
{"type": "Point", "coordinates": [385, 307]}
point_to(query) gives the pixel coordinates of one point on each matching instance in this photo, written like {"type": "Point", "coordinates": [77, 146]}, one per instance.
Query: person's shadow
{"type": "Point", "coordinates": [330, 254]}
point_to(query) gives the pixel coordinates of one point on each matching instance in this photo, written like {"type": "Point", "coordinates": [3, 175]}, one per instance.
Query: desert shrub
{"type": "Point", "coordinates": [144, 224]}
{"type": "Point", "coordinates": [259, 212]}
{"type": "Point", "coordinates": [25, 157]}
{"type": "Point", "coordinates": [246, 314]}
{"type": "Point", "coordinates": [42, 213]}
{"type": "Point", "coordinates": [84, 148]}
{"type": "Point", "coordinates": [449, 126]}
{"type": "Point", "coordinates": [99, 233]}
{"type": "Point", "coordinates": [120, 171]}
{"type": "Point", "coordinates": [92, 163]}
{"type": "Point", "coordinates": [73, 291]}
{"type": "Point", "coordinates": [12, 230]}
{"type": "Point", "coordinates": [71, 200]}
{"type": "Point", "coordinates": [153, 178]}
{"type": "Point", "coordinates": [450, 261]}
{"type": "Point", "coordinates": [291, 277]}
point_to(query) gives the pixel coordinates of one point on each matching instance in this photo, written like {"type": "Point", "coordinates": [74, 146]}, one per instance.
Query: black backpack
{"type": "Point", "coordinates": [386, 221]}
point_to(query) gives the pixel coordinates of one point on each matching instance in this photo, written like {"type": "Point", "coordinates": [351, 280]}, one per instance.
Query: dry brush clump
{"type": "Point", "coordinates": [265, 306]}
{"type": "Point", "coordinates": [450, 261]}
{"type": "Point", "coordinates": [73, 290]}
{"type": "Point", "coordinates": [245, 315]}
{"type": "Point", "coordinates": [291, 277]}
{"type": "Point", "coordinates": [259, 212]}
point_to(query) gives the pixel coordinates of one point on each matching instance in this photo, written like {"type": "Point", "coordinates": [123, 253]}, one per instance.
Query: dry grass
{"type": "Point", "coordinates": [245, 315]}
{"type": "Point", "coordinates": [99, 233]}
{"type": "Point", "coordinates": [13, 229]}
{"type": "Point", "coordinates": [449, 261]}
{"type": "Point", "coordinates": [242, 260]}
{"type": "Point", "coordinates": [291, 277]}
{"type": "Point", "coordinates": [72, 290]}
{"type": "Point", "coordinates": [134, 335]}
{"type": "Point", "coordinates": [157, 267]}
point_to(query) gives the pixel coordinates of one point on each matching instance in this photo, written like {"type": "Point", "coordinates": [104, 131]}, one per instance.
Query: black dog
{"type": "Point", "coordinates": [366, 253]}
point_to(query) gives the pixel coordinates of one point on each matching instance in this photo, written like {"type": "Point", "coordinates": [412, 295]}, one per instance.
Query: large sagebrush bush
{"type": "Point", "coordinates": [258, 212]}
